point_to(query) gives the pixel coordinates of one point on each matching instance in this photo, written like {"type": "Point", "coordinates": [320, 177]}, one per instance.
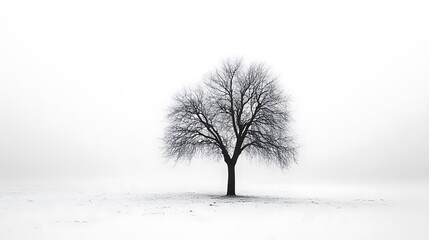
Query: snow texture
{"type": "Point", "coordinates": [291, 213]}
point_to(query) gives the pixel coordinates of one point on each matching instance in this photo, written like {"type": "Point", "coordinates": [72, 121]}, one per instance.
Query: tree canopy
{"type": "Point", "coordinates": [238, 109]}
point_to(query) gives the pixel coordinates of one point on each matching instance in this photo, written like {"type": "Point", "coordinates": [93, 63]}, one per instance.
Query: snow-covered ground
{"type": "Point", "coordinates": [289, 212]}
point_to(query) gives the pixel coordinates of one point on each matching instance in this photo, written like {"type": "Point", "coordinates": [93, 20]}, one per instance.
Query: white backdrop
{"type": "Point", "coordinates": [84, 86]}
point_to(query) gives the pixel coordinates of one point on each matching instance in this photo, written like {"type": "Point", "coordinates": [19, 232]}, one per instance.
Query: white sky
{"type": "Point", "coordinates": [85, 84]}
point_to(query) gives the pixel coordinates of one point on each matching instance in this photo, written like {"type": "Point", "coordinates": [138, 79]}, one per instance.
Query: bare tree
{"type": "Point", "coordinates": [238, 110]}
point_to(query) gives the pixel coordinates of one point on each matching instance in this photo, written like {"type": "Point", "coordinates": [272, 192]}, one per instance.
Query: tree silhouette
{"type": "Point", "coordinates": [237, 110]}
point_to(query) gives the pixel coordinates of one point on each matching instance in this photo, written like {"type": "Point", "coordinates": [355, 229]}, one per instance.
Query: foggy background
{"type": "Point", "coordinates": [85, 86]}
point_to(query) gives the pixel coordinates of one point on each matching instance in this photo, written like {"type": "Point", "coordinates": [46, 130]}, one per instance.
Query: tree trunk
{"type": "Point", "coordinates": [231, 180]}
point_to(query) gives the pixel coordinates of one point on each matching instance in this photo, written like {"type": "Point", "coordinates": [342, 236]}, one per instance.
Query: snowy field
{"type": "Point", "coordinates": [289, 212]}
